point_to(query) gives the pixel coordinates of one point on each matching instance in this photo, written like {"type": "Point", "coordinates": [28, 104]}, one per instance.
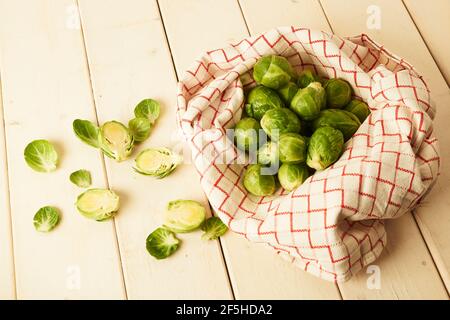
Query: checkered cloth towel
{"type": "Point", "coordinates": [333, 224]}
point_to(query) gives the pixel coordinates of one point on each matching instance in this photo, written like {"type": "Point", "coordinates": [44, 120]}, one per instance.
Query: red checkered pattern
{"type": "Point", "coordinates": [332, 225]}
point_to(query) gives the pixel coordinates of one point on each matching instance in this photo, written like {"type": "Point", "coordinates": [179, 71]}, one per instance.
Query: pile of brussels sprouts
{"type": "Point", "coordinates": [301, 121]}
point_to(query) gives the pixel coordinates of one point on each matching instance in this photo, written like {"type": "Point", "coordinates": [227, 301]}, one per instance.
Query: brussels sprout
{"type": "Point", "coordinates": [247, 134]}
{"type": "Point", "coordinates": [308, 102]}
{"type": "Point", "coordinates": [41, 156]}
{"type": "Point", "coordinates": [86, 131]}
{"type": "Point", "coordinates": [162, 243]}
{"type": "Point", "coordinates": [115, 140]}
{"type": "Point", "coordinates": [292, 148]}
{"type": "Point", "coordinates": [324, 148]}
{"type": "Point", "coordinates": [272, 71]}
{"type": "Point", "coordinates": [288, 92]}
{"type": "Point", "coordinates": [261, 99]}
{"type": "Point", "coordinates": [306, 77]}
{"type": "Point", "coordinates": [292, 176]}
{"type": "Point", "coordinates": [98, 204]}
{"type": "Point", "coordinates": [184, 215]}
{"type": "Point", "coordinates": [81, 178]}
{"type": "Point", "coordinates": [278, 121]}
{"type": "Point", "coordinates": [157, 162]}
{"type": "Point", "coordinates": [257, 183]}
{"type": "Point", "coordinates": [213, 228]}
{"type": "Point", "coordinates": [140, 128]}
{"type": "Point", "coordinates": [268, 153]}
{"type": "Point", "coordinates": [344, 121]}
{"type": "Point", "coordinates": [338, 93]}
{"type": "Point", "coordinates": [358, 108]}
{"type": "Point", "coordinates": [147, 108]}
{"type": "Point", "coordinates": [46, 219]}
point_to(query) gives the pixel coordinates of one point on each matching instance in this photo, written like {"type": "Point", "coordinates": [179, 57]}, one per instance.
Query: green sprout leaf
{"type": "Point", "coordinates": [161, 243]}
{"type": "Point", "coordinates": [140, 128]}
{"type": "Point", "coordinates": [41, 156]}
{"type": "Point", "coordinates": [214, 228]}
{"type": "Point", "coordinates": [81, 178]}
{"type": "Point", "coordinates": [86, 131]}
{"type": "Point", "coordinates": [148, 108]}
{"type": "Point", "coordinates": [46, 219]}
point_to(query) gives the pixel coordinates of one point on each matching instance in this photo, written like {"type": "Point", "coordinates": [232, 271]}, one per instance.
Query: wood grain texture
{"type": "Point", "coordinates": [129, 60]}
{"type": "Point", "coordinates": [399, 35]}
{"type": "Point", "coordinates": [45, 87]}
{"type": "Point", "coordinates": [256, 272]}
{"type": "Point", "coordinates": [431, 18]}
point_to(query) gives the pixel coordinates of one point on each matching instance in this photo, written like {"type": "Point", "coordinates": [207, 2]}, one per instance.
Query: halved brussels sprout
{"type": "Point", "coordinates": [157, 162]}
{"type": "Point", "coordinates": [98, 204]}
{"type": "Point", "coordinates": [344, 121]}
{"type": "Point", "coordinates": [338, 93]}
{"type": "Point", "coordinates": [268, 153]}
{"type": "Point", "coordinates": [308, 102]}
{"type": "Point", "coordinates": [162, 243]}
{"type": "Point", "coordinates": [292, 176]}
{"type": "Point", "coordinates": [278, 121]}
{"type": "Point", "coordinates": [140, 128]}
{"type": "Point", "coordinates": [46, 219]}
{"type": "Point", "coordinates": [292, 148]}
{"type": "Point", "coordinates": [324, 148]}
{"type": "Point", "coordinates": [213, 228]}
{"type": "Point", "coordinates": [115, 140]}
{"type": "Point", "coordinates": [81, 178]}
{"type": "Point", "coordinates": [261, 99]}
{"type": "Point", "coordinates": [306, 77]}
{"type": "Point", "coordinates": [247, 134]}
{"type": "Point", "coordinates": [272, 71]}
{"type": "Point", "coordinates": [358, 108]}
{"type": "Point", "coordinates": [257, 183]}
{"type": "Point", "coordinates": [288, 92]}
{"type": "Point", "coordinates": [184, 215]}
{"type": "Point", "coordinates": [41, 156]}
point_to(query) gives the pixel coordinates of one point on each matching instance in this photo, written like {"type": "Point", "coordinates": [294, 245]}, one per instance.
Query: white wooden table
{"type": "Point", "coordinates": [95, 59]}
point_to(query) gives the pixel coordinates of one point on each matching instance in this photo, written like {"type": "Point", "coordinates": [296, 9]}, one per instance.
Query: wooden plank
{"type": "Point", "coordinates": [7, 281]}
{"type": "Point", "coordinates": [431, 18]}
{"type": "Point", "coordinates": [129, 60]}
{"type": "Point", "coordinates": [45, 87]}
{"type": "Point", "coordinates": [308, 13]}
{"type": "Point", "coordinates": [399, 34]}
{"type": "Point", "coordinates": [254, 271]}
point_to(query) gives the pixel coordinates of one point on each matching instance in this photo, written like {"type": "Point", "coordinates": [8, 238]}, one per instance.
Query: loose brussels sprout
{"type": "Point", "coordinates": [86, 131]}
{"type": "Point", "coordinates": [157, 162]}
{"type": "Point", "coordinates": [140, 128]}
{"type": "Point", "coordinates": [247, 134]}
{"type": "Point", "coordinates": [148, 108]}
{"type": "Point", "coordinates": [292, 176]}
{"type": "Point", "coordinates": [292, 148]}
{"type": "Point", "coordinates": [46, 219]}
{"type": "Point", "coordinates": [272, 71]}
{"type": "Point", "coordinates": [41, 156]}
{"type": "Point", "coordinates": [98, 204]}
{"type": "Point", "coordinates": [184, 215]}
{"type": "Point", "coordinates": [358, 108]}
{"type": "Point", "coordinates": [344, 121]}
{"type": "Point", "coordinates": [258, 184]}
{"type": "Point", "coordinates": [306, 77]}
{"type": "Point", "coordinates": [81, 178]}
{"type": "Point", "coordinates": [268, 153]}
{"type": "Point", "coordinates": [288, 92]}
{"type": "Point", "coordinates": [213, 228]}
{"type": "Point", "coordinates": [308, 102]}
{"type": "Point", "coordinates": [324, 148]}
{"type": "Point", "coordinates": [278, 121]}
{"type": "Point", "coordinates": [162, 243]}
{"type": "Point", "coordinates": [261, 99]}
{"type": "Point", "coordinates": [115, 140]}
{"type": "Point", "coordinates": [338, 93]}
